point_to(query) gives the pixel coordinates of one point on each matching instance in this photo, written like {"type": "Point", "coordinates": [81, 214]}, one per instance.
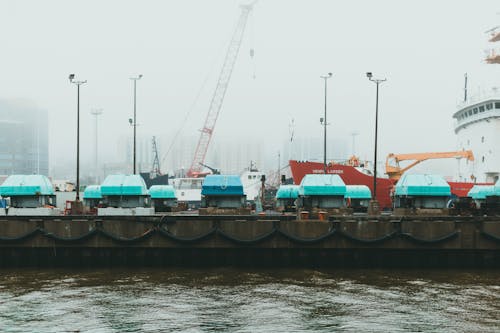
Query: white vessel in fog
{"type": "Point", "coordinates": [477, 126]}
{"type": "Point", "coordinates": [188, 190]}
{"type": "Point", "coordinates": [252, 182]}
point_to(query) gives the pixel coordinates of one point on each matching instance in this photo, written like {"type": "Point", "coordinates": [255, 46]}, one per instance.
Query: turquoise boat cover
{"type": "Point", "coordinates": [496, 190]}
{"type": "Point", "coordinates": [330, 185]}
{"type": "Point", "coordinates": [288, 192]}
{"type": "Point", "coordinates": [162, 192]}
{"type": "Point", "coordinates": [26, 185]}
{"type": "Point", "coordinates": [422, 185]}
{"type": "Point", "coordinates": [479, 192]}
{"type": "Point", "coordinates": [92, 192]}
{"type": "Point", "coordinates": [358, 192]}
{"type": "Point", "coordinates": [123, 185]}
{"type": "Point", "coordinates": [222, 185]}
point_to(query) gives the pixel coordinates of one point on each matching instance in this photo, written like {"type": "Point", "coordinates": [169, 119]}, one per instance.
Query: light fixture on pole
{"type": "Point", "coordinates": [374, 206]}
{"type": "Point", "coordinates": [78, 83]}
{"type": "Point", "coordinates": [134, 124]}
{"type": "Point", "coordinates": [323, 121]}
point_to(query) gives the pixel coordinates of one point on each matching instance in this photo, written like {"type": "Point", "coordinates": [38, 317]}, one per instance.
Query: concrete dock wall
{"type": "Point", "coordinates": [250, 241]}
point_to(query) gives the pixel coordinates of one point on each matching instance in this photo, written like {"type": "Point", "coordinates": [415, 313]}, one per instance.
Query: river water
{"type": "Point", "coordinates": [236, 300]}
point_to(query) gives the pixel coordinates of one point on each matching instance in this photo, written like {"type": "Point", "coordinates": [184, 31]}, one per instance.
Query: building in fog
{"type": "Point", "coordinates": [312, 149]}
{"type": "Point", "coordinates": [234, 155]}
{"type": "Point", "coordinates": [125, 149]}
{"type": "Point", "coordinates": [229, 155]}
{"type": "Point", "coordinates": [23, 139]}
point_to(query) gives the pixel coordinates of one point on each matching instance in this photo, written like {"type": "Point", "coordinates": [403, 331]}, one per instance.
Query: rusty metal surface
{"type": "Point", "coordinates": [454, 240]}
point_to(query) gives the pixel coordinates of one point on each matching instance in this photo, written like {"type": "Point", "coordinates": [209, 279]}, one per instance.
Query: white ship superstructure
{"type": "Point", "coordinates": [188, 191]}
{"type": "Point", "coordinates": [252, 183]}
{"type": "Point", "coordinates": [477, 126]}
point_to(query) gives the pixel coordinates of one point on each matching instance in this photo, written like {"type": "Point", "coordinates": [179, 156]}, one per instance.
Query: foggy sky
{"type": "Point", "coordinates": [423, 48]}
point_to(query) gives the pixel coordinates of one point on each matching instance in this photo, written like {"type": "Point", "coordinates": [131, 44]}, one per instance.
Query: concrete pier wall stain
{"type": "Point", "coordinates": [270, 241]}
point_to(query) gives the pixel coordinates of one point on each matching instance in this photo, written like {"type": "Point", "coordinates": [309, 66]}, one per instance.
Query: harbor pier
{"type": "Point", "coordinates": [263, 241]}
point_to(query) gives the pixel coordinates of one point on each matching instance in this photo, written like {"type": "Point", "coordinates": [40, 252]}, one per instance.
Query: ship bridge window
{"type": "Point", "coordinates": [497, 105]}
{"type": "Point", "coordinates": [489, 106]}
{"type": "Point", "coordinates": [482, 139]}
{"type": "Point", "coordinates": [475, 110]}
{"type": "Point", "coordinates": [481, 108]}
{"type": "Point", "coordinates": [469, 113]}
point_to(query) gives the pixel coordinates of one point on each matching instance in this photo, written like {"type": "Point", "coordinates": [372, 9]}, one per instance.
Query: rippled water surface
{"type": "Point", "coordinates": [231, 300]}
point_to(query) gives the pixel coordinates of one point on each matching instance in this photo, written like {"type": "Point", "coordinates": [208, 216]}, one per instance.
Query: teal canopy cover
{"type": "Point", "coordinates": [222, 185]}
{"type": "Point", "coordinates": [26, 185]}
{"type": "Point", "coordinates": [162, 192]}
{"type": "Point", "coordinates": [422, 185]}
{"type": "Point", "coordinates": [92, 192]}
{"type": "Point", "coordinates": [288, 192]}
{"type": "Point", "coordinates": [358, 192]}
{"type": "Point", "coordinates": [496, 190]}
{"type": "Point", "coordinates": [479, 192]}
{"type": "Point", "coordinates": [330, 185]}
{"type": "Point", "coordinates": [123, 185]}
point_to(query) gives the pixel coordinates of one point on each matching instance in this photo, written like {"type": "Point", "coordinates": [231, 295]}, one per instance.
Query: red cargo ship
{"type": "Point", "coordinates": [359, 175]}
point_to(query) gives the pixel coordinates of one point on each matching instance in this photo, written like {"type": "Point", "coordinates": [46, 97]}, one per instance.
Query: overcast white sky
{"type": "Point", "coordinates": [423, 48]}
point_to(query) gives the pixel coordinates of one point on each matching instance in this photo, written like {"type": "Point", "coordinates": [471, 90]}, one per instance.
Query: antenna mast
{"type": "Point", "coordinates": [465, 88]}
{"type": "Point", "coordinates": [156, 161]}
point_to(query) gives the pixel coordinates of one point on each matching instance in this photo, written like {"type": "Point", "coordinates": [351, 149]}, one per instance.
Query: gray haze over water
{"type": "Point", "coordinates": [231, 300]}
{"type": "Point", "coordinates": [422, 47]}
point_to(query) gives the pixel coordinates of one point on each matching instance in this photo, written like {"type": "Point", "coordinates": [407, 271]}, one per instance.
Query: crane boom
{"type": "Point", "coordinates": [394, 171]}
{"type": "Point", "coordinates": [219, 93]}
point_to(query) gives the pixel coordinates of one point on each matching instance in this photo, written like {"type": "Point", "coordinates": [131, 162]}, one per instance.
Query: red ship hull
{"type": "Point", "coordinates": [352, 176]}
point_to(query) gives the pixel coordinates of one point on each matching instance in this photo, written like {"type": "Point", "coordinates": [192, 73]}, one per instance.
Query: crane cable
{"type": "Point", "coordinates": [184, 121]}
{"type": "Point", "coordinates": [252, 49]}
{"type": "Point", "coordinates": [193, 104]}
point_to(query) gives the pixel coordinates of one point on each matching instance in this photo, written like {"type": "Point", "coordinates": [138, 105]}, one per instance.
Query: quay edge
{"type": "Point", "coordinates": [257, 241]}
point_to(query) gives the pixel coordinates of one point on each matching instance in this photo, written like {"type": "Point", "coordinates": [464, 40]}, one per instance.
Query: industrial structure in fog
{"type": "Point", "coordinates": [23, 139]}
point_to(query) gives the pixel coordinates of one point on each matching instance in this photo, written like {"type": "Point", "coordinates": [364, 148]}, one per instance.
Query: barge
{"type": "Point", "coordinates": [266, 241]}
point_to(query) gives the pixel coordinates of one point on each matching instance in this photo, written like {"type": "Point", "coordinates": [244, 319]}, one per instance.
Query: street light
{"type": "Point", "coordinates": [78, 84]}
{"type": "Point", "coordinates": [96, 113]}
{"type": "Point", "coordinates": [135, 122]}
{"type": "Point", "coordinates": [374, 206]}
{"type": "Point", "coordinates": [323, 121]}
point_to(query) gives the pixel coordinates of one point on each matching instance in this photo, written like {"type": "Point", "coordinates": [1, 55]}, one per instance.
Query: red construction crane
{"type": "Point", "coordinates": [218, 97]}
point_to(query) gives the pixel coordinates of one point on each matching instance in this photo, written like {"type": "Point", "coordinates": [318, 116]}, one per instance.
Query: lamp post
{"type": "Point", "coordinates": [374, 206]}
{"type": "Point", "coordinates": [96, 113]}
{"type": "Point", "coordinates": [135, 79]}
{"type": "Point", "coordinates": [323, 120]}
{"type": "Point", "coordinates": [78, 84]}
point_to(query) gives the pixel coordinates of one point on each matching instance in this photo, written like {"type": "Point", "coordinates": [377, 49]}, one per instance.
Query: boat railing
{"type": "Point", "coordinates": [459, 123]}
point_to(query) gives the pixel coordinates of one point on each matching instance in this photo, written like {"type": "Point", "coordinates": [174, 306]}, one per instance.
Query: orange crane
{"type": "Point", "coordinates": [218, 97]}
{"type": "Point", "coordinates": [493, 57]}
{"type": "Point", "coordinates": [394, 171]}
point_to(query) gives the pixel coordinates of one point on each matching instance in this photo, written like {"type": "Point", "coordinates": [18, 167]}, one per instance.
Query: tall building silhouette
{"type": "Point", "coordinates": [23, 139]}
